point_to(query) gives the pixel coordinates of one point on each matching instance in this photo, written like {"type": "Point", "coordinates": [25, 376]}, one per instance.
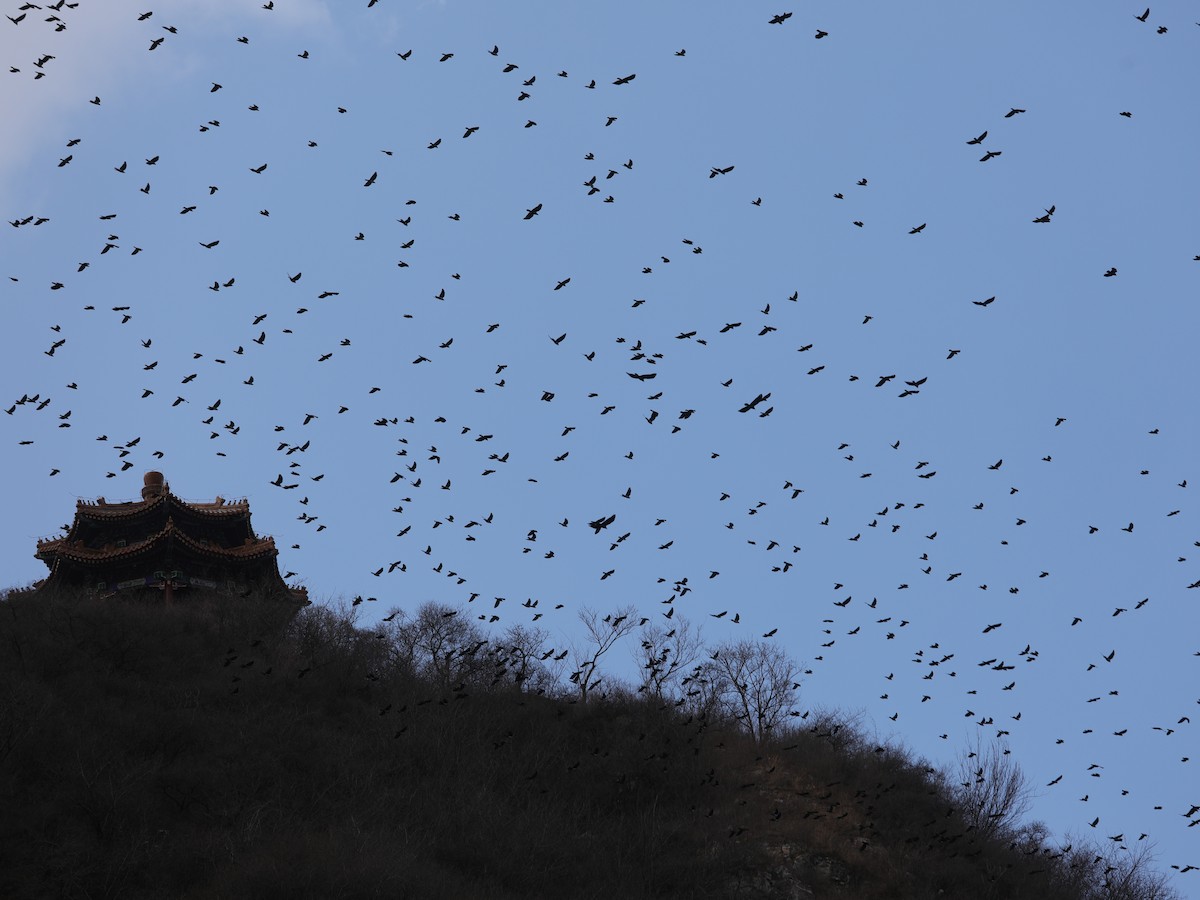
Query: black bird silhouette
{"type": "Point", "coordinates": [601, 523]}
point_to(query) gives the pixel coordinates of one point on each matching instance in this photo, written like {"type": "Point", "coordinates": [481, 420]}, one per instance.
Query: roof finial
{"type": "Point", "coordinates": [152, 485]}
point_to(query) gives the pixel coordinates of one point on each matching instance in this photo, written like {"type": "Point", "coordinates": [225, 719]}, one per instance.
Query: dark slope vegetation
{"type": "Point", "coordinates": [211, 752]}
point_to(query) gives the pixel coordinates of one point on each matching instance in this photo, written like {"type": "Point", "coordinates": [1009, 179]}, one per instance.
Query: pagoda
{"type": "Point", "coordinates": [163, 545]}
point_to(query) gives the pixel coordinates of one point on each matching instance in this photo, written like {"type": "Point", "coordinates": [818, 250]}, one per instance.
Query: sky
{"type": "Point", "coordinates": [432, 243]}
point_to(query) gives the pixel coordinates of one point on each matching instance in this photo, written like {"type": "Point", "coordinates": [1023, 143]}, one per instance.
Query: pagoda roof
{"type": "Point", "coordinates": [102, 509]}
{"type": "Point", "coordinates": [169, 535]}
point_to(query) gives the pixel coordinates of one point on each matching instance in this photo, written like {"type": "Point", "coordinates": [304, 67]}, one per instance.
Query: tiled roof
{"type": "Point", "coordinates": [65, 549]}
{"type": "Point", "coordinates": [101, 509]}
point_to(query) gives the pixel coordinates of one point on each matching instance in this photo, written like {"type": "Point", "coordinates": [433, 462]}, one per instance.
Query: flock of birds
{"type": "Point", "coordinates": [645, 359]}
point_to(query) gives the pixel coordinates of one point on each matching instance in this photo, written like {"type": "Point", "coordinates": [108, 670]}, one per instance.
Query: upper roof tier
{"type": "Point", "coordinates": [155, 491]}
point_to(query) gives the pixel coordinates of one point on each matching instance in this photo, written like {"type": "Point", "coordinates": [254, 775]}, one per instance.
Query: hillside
{"type": "Point", "coordinates": [210, 751]}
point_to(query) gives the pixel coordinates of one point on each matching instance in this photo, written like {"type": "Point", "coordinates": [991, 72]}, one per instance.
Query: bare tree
{"type": "Point", "coordinates": [320, 628]}
{"type": "Point", "coordinates": [665, 655]}
{"type": "Point", "coordinates": [992, 791]}
{"type": "Point", "coordinates": [702, 689]}
{"type": "Point", "coordinates": [1130, 875]}
{"type": "Point", "coordinates": [601, 635]}
{"type": "Point", "coordinates": [439, 645]}
{"type": "Point", "coordinates": [520, 655]}
{"type": "Point", "coordinates": [756, 681]}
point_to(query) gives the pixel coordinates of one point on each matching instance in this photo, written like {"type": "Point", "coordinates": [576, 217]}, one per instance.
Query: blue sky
{"type": "Point", "coordinates": [891, 95]}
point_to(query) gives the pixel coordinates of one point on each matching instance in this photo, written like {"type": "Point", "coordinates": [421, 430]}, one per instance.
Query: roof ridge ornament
{"type": "Point", "coordinates": [153, 485]}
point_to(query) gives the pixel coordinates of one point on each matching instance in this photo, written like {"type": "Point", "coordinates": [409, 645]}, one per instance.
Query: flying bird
{"type": "Point", "coordinates": [601, 523]}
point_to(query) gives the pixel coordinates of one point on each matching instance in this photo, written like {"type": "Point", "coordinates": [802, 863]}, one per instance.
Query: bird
{"type": "Point", "coordinates": [1144, 16]}
{"type": "Point", "coordinates": [530, 213]}
{"type": "Point", "coordinates": [918, 229]}
{"type": "Point", "coordinates": [601, 523]}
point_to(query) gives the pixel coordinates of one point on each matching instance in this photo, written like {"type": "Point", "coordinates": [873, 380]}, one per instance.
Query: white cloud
{"type": "Point", "coordinates": [103, 47]}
